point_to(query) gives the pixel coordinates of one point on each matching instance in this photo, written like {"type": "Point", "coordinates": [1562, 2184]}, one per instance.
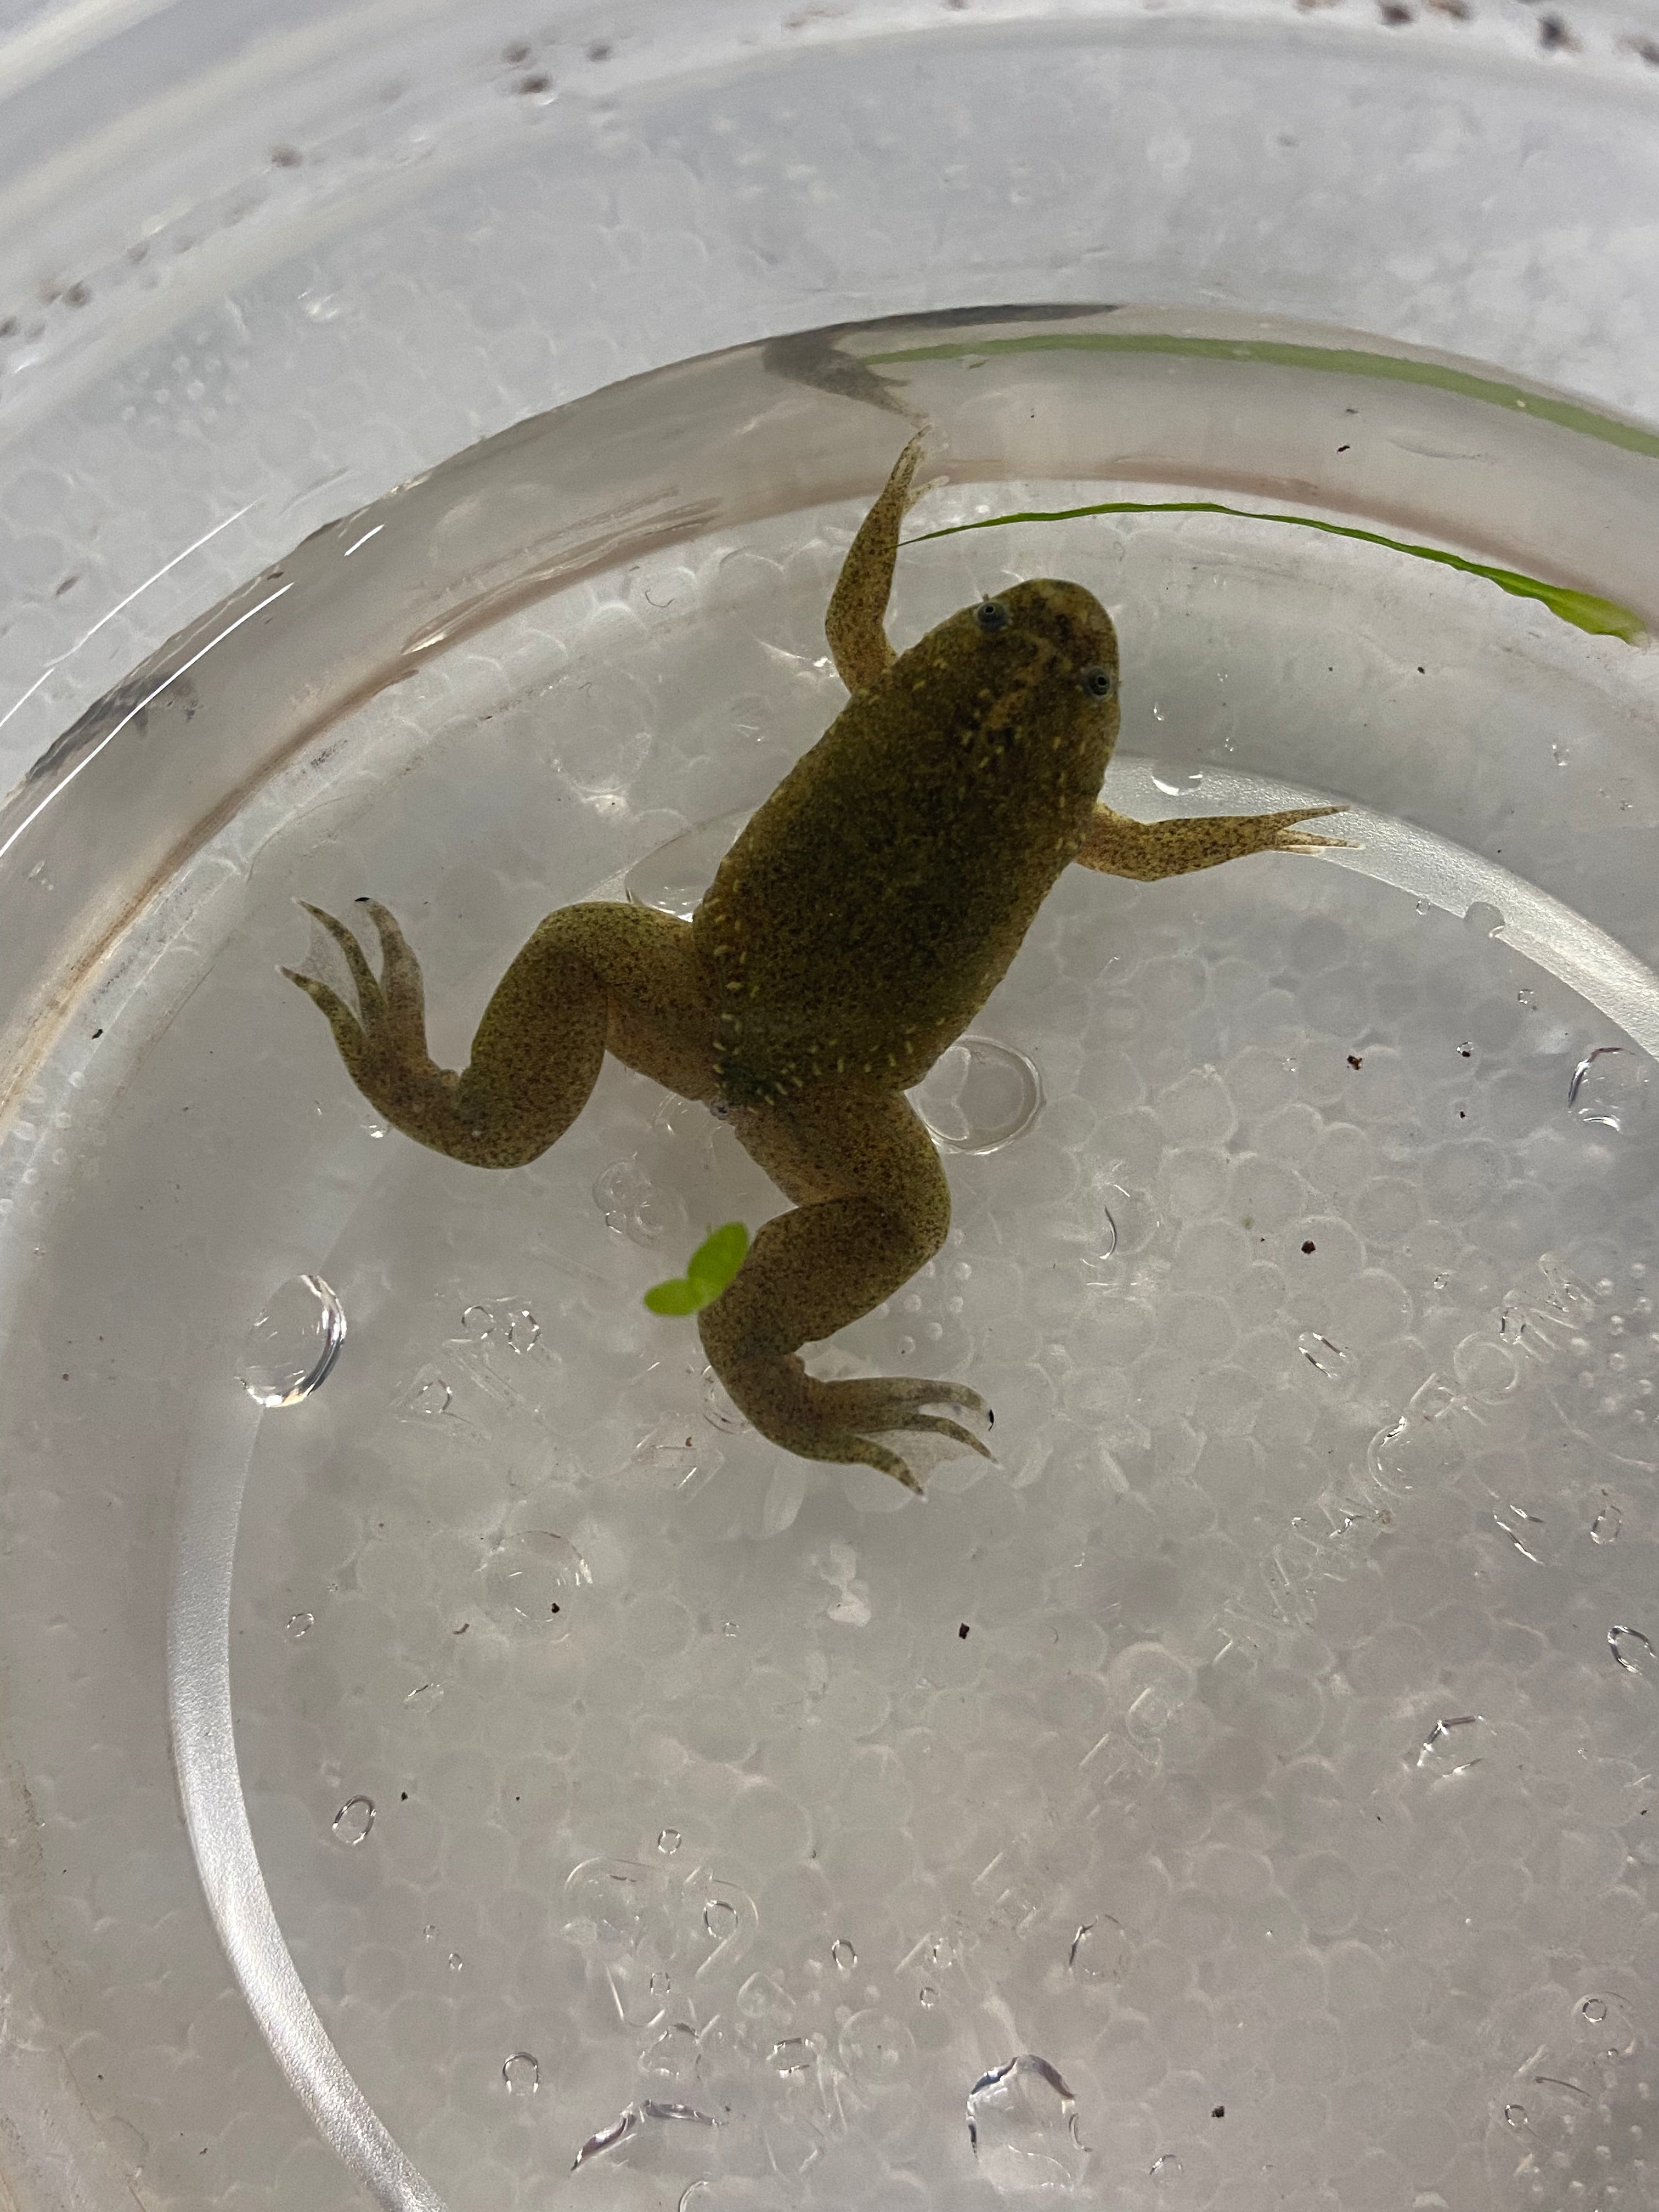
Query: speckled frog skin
{"type": "Point", "coordinates": [852, 931]}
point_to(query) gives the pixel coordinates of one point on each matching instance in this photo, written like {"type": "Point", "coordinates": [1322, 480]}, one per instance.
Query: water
{"type": "Point", "coordinates": [1307, 1690]}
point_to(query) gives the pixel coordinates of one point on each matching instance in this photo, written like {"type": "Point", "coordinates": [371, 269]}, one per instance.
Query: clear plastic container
{"type": "Point", "coordinates": [1238, 1794]}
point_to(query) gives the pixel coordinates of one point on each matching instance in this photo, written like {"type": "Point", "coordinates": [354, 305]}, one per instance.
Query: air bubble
{"type": "Point", "coordinates": [1453, 1746]}
{"type": "Point", "coordinates": [1178, 782]}
{"type": "Point", "coordinates": [927, 1997]}
{"type": "Point", "coordinates": [1319, 1352]}
{"type": "Point", "coordinates": [636, 1207]}
{"type": "Point", "coordinates": [719, 1918]}
{"type": "Point", "coordinates": [1631, 1650]}
{"type": "Point", "coordinates": [521, 2070]}
{"type": "Point", "coordinates": [649, 2114]}
{"type": "Point", "coordinates": [793, 2056]}
{"type": "Point", "coordinates": [1100, 1950]}
{"type": "Point", "coordinates": [668, 1842]}
{"type": "Point", "coordinates": [531, 1578]}
{"type": "Point", "coordinates": [1484, 918]}
{"type": "Point", "coordinates": [293, 1343]}
{"type": "Point", "coordinates": [455, 1962]}
{"type": "Point", "coordinates": [300, 1623]}
{"type": "Point", "coordinates": [717, 1407]}
{"type": "Point", "coordinates": [1166, 2168]}
{"type": "Point", "coordinates": [674, 878]}
{"type": "Point", "coordinates": [845, 1957]}
{"type": "Point", "coordinates": [352, 1823]}
{"type": "Point", "coordinates": [503, 1321]}
{"type": "Point", "coordinates": [1610, 1088]}
{"type": "Point", "coordinates": [1023, 2127]}
{"type": "Point", "coordinates": [978, 1095]}
{"type": "Point", "coordinates": [875, 2049]}
{"type": "Point", "coordinates": [1604, 1529]}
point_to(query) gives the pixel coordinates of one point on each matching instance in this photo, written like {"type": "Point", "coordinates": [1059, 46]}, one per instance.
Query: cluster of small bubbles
{"type": "Point", "coordinates": [503, 1321]}
{"type": "Point", "coordinates": [636, 1207]}
{"type": "Point", "coordinates": [1022, 2126]}
{"type": "Point", "coordinates": [978, 1095]}
{"type": "Point", "coordinates": [521, 2070]}
{"type": "Point", "coordinates": [1632, 1649]}
{"type": "Point", "coordinates": [300, 1623]}
{"type": "Point", "coordinates": [352, 1823]}
{"type": "Point", "coordinates": [293, 1343]}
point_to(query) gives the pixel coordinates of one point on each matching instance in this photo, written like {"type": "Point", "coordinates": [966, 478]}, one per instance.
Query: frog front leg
{"type": "Point", "coordinates": [1116, 845]}
{"type": "Point", "coordinates": [589, 977]}
{"type": "Point", "coordinates": [872, 1205]}
{"type": "Point", "coordinates": [855, 624]}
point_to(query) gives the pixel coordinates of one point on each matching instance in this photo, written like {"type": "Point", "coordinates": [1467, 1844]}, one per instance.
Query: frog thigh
{"type": "Point", "coordinates": [873, 1206]}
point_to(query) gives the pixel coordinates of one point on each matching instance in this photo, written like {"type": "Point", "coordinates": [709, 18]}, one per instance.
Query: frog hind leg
{"type": "Point", "coordinates": [872, 1207]}
{"type": "Point", "coordinates": [589, 976]}
{"type": "Point", "coordinates": [856, 623]}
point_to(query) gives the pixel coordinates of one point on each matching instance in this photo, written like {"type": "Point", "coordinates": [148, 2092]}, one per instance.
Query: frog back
{"type": "Point", "coordinates": [879, 895]}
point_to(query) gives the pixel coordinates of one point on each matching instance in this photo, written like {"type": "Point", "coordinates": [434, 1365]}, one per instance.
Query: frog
{"type": "Point", "coordinates": [854, 929]}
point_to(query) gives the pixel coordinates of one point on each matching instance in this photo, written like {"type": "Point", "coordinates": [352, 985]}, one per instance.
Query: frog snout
{"type": "Point", "coordinates": [1071, 618]}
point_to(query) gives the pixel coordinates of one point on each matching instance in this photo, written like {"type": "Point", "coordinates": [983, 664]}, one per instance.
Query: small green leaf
{"type": "Point", "coordinates": [718, 1257]}
{"type": "Point", "coordinates": [712, 1267]}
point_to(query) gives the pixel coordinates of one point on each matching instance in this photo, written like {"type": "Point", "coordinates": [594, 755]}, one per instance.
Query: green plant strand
{"type": "Point", "coordinates": [1583, 610]}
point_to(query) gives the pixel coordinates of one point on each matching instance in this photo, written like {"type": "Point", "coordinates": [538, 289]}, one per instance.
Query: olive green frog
{"type": "Point", "coordinates": [854, 929]}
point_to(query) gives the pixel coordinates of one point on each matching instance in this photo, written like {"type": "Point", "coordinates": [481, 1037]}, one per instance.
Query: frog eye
{"type": "Point", "coordinates": [991, 616]}
{"type": "Point", "coordinates": [1099, 683]}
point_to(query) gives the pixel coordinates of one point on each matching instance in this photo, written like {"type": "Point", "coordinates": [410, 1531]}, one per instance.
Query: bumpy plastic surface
{"type": "Point", "coordinates": [209, 364]}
